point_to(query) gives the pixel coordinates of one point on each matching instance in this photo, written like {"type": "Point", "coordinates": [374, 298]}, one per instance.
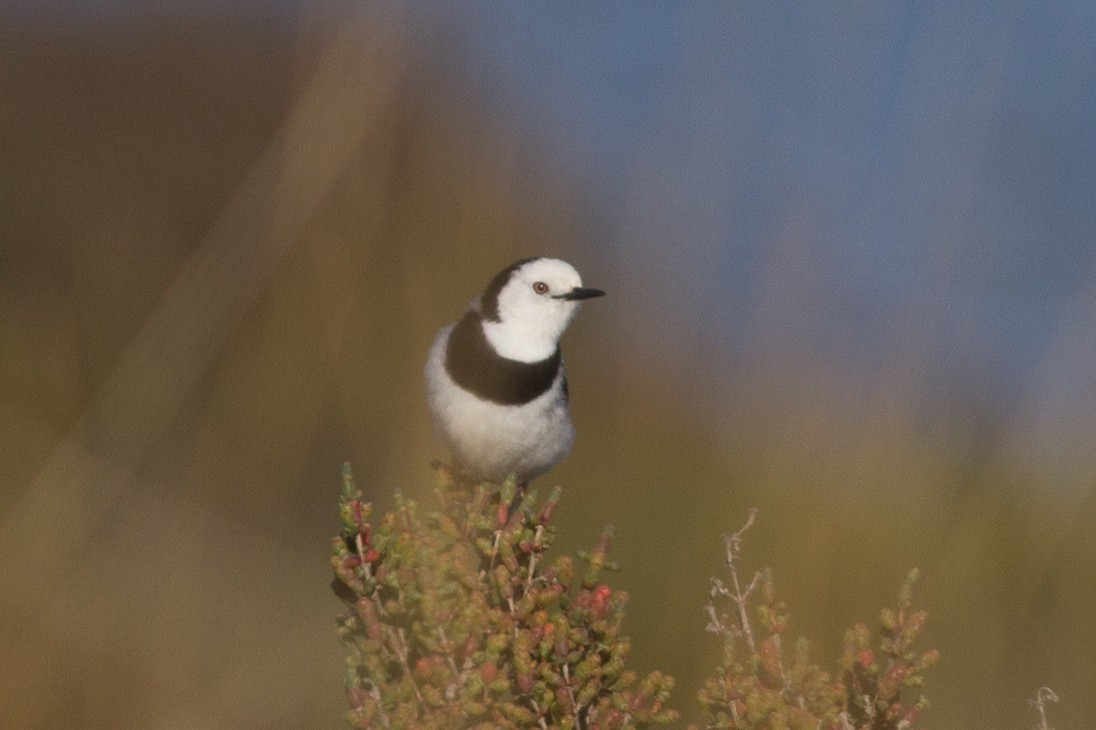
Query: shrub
{"type": "Point", "coordinates": [760, 684]}
{"type": "Point", "coordinates": [456, 620]}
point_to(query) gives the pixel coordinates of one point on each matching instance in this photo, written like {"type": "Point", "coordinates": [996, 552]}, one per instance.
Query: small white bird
{"type": "Point", "coordinates": [495, 382]}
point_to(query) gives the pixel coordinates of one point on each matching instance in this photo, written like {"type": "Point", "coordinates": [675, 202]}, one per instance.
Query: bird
{"type": "Point", "coordinates": [496, 386]}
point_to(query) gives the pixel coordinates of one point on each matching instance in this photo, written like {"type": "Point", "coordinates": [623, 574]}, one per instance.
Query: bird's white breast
{"type": "Point", "coordinates": [524, 344]}
{"type": "Point", "coordinates": [491, 440]}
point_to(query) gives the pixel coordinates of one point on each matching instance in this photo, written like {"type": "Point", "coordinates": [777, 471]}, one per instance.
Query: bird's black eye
{"type": "Point", "coordinates": [540, 287]}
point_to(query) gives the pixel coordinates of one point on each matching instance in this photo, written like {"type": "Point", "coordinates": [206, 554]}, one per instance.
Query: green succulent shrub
{"type": "Point", "coordinates": [761, 684]}
{"type": "Point", "coordinates": [456, 619]}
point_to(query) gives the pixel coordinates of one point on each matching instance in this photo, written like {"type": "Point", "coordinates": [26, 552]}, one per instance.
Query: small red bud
{"type": "Point", "coordinates": [769, 654]}
{"type": "Point", "coordinates": [488, 672]}
{"type": "Point", "coordinates": [547, 511]}
{"type": "Point", "coordinates": [356, 696]}
{"type": "Point", "coordinates": [525, 682]}
{"type": "Point", "coordinates": [604, 542]}
{"type": "Point", "coordinates": [600, 599]}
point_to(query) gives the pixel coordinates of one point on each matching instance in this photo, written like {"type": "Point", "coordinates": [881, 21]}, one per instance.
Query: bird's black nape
{"type": "Point", "coordinates": [489, 301]}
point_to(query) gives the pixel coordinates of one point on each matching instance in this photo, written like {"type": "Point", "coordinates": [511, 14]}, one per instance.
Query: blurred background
{"type": "Point", "coordinates": [852, 282]}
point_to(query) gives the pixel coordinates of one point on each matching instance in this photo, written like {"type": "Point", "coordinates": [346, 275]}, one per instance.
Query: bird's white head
{"type": "Point", "coordinates": [529, 304]}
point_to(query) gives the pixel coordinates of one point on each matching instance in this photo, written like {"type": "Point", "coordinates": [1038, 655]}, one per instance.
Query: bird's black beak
{"type": "Point", "coordinates": [581, 292]}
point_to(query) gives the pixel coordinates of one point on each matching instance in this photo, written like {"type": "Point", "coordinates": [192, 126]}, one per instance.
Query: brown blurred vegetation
{"type": "Point", "coordinates": [224, 248]}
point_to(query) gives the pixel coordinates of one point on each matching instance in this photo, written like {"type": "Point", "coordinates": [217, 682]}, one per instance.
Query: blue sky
{"type": "Point", "coordinates": [935, 162]}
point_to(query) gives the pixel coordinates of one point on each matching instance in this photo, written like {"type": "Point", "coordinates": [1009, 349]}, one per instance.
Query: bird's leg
{"type": "Point", "coordinates": [523, 487]}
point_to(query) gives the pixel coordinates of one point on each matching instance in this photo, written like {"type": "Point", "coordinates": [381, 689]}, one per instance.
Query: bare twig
{"type": "Point", "coordinates": [375, 693]}
{"type": "Point", "coordinates": [447, 648]}
{"type": "Point", "coordinates": [533, 560]}
{"type": "Point", "coordinates": [732, 544]}
{"type": "Point", "coordinates": [399, 645]}
{"type": "Point", "coordinates": [570, 691]}
{"type": "Point", "coordinates": [869, 707]}
{"type": "Point", "coordinates": [1042, 697]}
